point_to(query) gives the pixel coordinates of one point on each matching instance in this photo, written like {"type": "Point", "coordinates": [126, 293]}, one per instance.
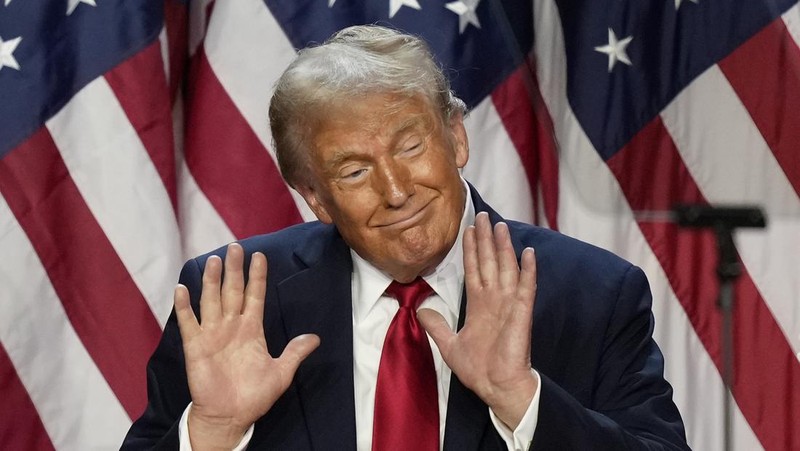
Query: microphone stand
{"type": "Point", "coordinates": [723, 220]}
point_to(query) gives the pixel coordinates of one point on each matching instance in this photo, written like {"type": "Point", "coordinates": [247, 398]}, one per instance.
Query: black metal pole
{"type": "Point", "coordinates": [728, 270]}
{"type": "Point", "coordinates": [724, 220]}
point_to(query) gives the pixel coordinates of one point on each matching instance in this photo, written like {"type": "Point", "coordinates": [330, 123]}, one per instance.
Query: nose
{"type": "Point", "coordinates": [395, 183]}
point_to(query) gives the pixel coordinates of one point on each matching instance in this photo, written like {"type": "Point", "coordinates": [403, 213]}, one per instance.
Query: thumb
{"type": "Point", "coordinates": [437, 327]}
{"type": "Point", "coordinates": [297, 350]}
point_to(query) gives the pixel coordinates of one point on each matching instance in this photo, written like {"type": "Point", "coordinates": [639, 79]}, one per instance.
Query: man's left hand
{"type": "Point", "coordinates": [491, 353]}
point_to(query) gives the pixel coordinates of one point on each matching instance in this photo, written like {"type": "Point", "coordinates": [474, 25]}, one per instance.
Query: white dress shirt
{"type": "Point", "coordinates": [372, 314]}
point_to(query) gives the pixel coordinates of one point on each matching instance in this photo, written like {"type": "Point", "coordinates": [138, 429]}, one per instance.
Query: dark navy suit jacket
{"type": "Point", "coordinates": [601, 372]}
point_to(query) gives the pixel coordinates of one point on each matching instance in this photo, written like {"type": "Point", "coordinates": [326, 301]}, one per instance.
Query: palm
{"type": "Point", "coordinates": [490, 350]}
{"type": "Point", "coordinates": [231, 372]}
{"type": "Point", "coordinates": [491, 353]}
{"type": "Point", "coordinates": [232, 378]}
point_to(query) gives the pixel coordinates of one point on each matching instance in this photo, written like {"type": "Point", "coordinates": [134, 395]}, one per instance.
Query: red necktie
{"type": "Point", "coordinates": [406, 400]}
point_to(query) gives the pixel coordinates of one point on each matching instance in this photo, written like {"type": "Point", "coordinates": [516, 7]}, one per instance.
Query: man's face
{"type": "Point", "coordinates": [384, 170]}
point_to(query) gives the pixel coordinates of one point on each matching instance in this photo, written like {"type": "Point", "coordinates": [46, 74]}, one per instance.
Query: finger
{"type": "Point", "coordinates": [437, 327]}
{"type": "Point", "coordinates": [472, 276]}
{"type": "Point", "coordinates": [295, 352]}
{"type": "Point", "coordinates": [508, 270]}
{"type": "Point", "coordinates": [209, 298]}
{"type": "Point", "coordinates": [256, 290]}
{"type": "Point", "coordinates": [487, 258]}
{"type": "Point", "coordinates": [187, 322]}
{"type": "Point", "coordinates": [233, 282]}
{"type": "Point", "coordinates": [519, 326]}
{"type": "Point", "coordinates": [526, 289]}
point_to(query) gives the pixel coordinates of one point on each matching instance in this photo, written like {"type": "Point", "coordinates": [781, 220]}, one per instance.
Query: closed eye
{"type": "Point", "coordinates": [412, 150]}
{"type": "Point", "coordinates": [353, 174]}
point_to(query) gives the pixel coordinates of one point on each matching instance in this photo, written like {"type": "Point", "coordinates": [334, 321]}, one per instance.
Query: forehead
{"type": "Point", "coordinates": [373, 116]}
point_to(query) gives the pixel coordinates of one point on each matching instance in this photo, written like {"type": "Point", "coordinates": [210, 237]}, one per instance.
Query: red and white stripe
{"type": "Point", "coordinates": [91, 245]}
{"type": "Point", "coordinates": [98, 210]}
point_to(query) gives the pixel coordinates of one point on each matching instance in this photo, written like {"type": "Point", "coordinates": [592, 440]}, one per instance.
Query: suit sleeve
{"type": "Point", "coordinates": [167, 388]}
{"type": "Point", "coordinates": [631, 403]}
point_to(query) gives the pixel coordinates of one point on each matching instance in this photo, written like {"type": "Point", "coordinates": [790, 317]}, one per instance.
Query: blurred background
{"type": "Point", "coordinates": [134, 135]}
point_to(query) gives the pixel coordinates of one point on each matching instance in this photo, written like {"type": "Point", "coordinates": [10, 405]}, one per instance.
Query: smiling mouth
{"type": "Point", "coordinates": [409, 220]}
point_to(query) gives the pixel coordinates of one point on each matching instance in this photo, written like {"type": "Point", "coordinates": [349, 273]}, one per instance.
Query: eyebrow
{"type": "Point", "coordinates": [339, 157]}
{"type": "Point", "coordinates": [415, 120]}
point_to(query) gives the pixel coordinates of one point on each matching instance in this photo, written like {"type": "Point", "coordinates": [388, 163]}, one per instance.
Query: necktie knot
{"type": "Point", "coordinates": [410, 295]}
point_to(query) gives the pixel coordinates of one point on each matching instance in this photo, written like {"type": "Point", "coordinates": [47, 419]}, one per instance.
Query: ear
{"type": "Point", "coordinates": [312, 198]}
{"type": "Point", "coordinates": [460, 139]}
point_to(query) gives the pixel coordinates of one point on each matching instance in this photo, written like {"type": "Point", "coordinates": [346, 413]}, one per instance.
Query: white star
{"type": "Point", "coordinates": [72, 4]}
{"type": "Point", "coordinates": [615, 50]}
{"type": "Point", "coordinates": [7, 2]}
{"type": "Point", "coordinates": [395, 5]}
{"type": "Point", "coordinates": [7, 53]}
{"type": "Point", "coordinates": [466, 13]}
{"type": "Point", "coordinates": [330, 3]}
{"type": "Point", "coordinates": [678, 3]}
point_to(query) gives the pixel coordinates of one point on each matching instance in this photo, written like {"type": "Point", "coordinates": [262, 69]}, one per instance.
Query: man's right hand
{"type": "Point", "coordinates": [233, 379]}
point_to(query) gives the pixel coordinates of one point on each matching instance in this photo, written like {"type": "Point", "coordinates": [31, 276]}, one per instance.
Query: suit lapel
{"type": "Point", "coordinates": [318, 300]}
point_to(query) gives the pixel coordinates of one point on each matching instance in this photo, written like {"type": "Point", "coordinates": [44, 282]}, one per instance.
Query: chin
{"type": "Point", "coordinates": [424, 257]}
{"type": "Point", "coordinates": [413, 251]}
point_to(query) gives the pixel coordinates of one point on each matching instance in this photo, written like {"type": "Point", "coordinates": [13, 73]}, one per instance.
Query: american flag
{"type": "Point", "coordinates": [134, 134]}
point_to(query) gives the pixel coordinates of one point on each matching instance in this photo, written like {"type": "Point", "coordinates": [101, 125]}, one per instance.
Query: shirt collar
{"type": "Point", "coordinates": [447, 279]}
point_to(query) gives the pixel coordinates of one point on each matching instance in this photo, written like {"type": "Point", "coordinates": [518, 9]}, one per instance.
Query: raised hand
{"type": "Point", "coordinates": [233, 379]}
{"type": "Point", "coordinates": [491, 353]}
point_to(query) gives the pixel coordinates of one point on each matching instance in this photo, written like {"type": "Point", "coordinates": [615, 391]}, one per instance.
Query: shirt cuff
{"type": "Point", "coordinates": [521, 438]}
{"type": "Point", "coordinates": [183, 433]}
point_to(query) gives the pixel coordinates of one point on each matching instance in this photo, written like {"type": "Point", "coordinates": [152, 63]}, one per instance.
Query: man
{"type": "Point", "coordinates": [296, 356]}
